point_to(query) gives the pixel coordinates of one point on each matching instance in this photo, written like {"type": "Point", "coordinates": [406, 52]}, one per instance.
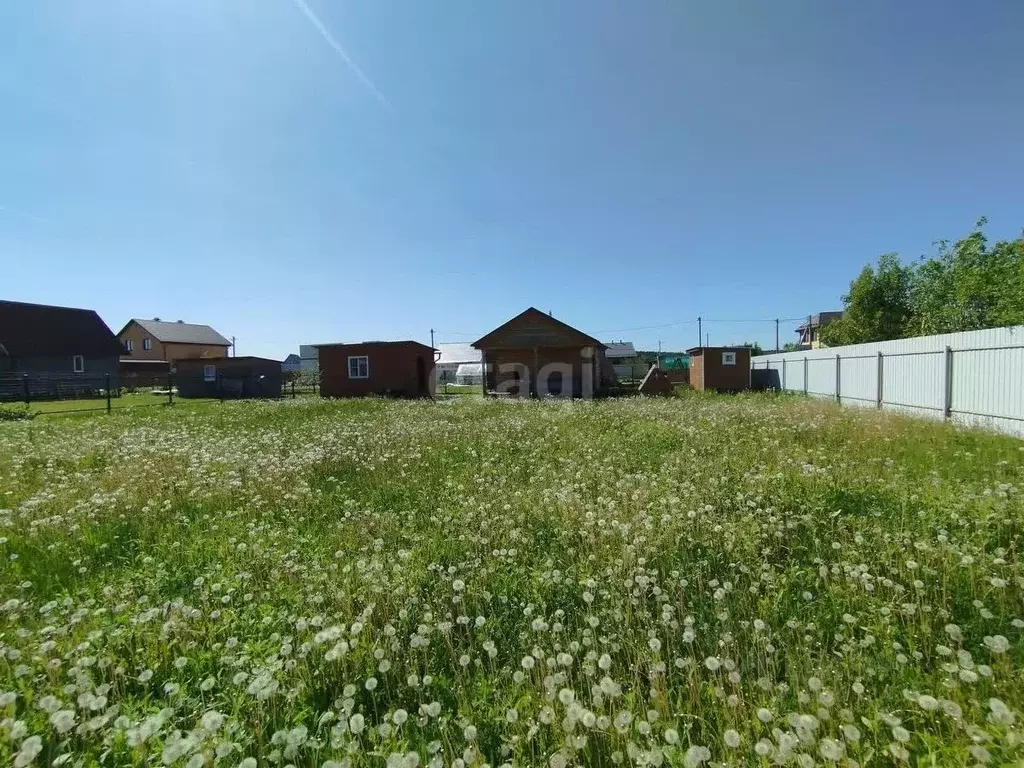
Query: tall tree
{"type": "Point", "coordinates": [879, 305]}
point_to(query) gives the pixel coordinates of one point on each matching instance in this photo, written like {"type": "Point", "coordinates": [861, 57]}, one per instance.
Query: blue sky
{"type": "Point", "coordinates": [375, 169]}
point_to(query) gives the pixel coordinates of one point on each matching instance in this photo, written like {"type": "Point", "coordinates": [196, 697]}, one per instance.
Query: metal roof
{"type": "Point", "coordinates": [28, 330]}
{"type": "Point", "coordinates": [182, 333]}
{"type": "Point", "coordinates": [455, 353]}
{"type": "Point", "coordinates": [617, 349]}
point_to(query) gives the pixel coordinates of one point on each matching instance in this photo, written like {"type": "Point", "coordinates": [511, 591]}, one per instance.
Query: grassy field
{"type": "Point", "coordinates": [696, 581]}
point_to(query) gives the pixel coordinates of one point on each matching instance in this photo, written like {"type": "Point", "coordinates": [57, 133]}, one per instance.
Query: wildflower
{"type": "Point", "coordinates": [696, 756]}
{"type": "Point", "coordinates": [732, 738]}
{"type": "Point", "coordinates": [764, 715]}
{"type": "Point", "coordinates": [30, 749]}
{"type": "Point", "coordinates": [356, 723]}
{"type": "Point", "coordinates": [831, 750]}
{"type": "Point", "coordinates": [63, 720]}
{"type": "Point", "coordinates": [997, 644]}
{"type": "Point", "coordinates": [605, 662]}
{"type": "Point", "coordinates": [400, 716]}
{"type": "Point", "coordinates": [712, 663]}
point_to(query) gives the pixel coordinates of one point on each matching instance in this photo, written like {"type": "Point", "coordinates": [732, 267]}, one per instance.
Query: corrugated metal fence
{"type": "Point", "coordinates": [975, 377]}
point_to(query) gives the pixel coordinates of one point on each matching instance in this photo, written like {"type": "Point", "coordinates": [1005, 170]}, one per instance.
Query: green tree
{"type": "Point", "coordinates": [878, 306]}
{"type": "Point", "coordinates": [968, 285]}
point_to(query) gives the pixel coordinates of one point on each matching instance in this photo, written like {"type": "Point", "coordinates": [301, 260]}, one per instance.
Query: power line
{"type": "Point", "coordinates": [655, 327]}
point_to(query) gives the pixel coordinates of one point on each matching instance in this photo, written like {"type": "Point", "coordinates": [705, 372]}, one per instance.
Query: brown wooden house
{"type": "Point", "coordinates": [384, 368]}
{"type": "Point", "coordinates": [720, 369]}
{"type": "Point", "coordinates": [158, 340]}
{"type": "Point", "coordinates": [533, 354]}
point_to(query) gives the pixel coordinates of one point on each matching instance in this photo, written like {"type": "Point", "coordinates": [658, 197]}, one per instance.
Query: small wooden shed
{"type": "Point", "coordinates": [384, 368]}
{"type": "Point", "coordinates": [720, 369]}
{"type": "Point", "coordinates": [228, 377]}
{"type": "Point", "coordinates": [534, 354]}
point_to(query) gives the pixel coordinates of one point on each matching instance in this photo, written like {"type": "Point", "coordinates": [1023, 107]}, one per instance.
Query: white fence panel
{"type": "Point", "coordinates": [1000, 405]}
{"type": "Point", "coordinates": [975, 377]}
{"type": "Point", "coordinates": [821, 376]}
{"type": "Point", "coordinates": [914, 382]}
{"type": "Point", "coordinates": [858, 378]}
{"type": "Point", "coordinates": [794, 370]}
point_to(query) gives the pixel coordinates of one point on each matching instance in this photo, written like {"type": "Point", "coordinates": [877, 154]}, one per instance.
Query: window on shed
{"type": "Point", "coordinates": [209, 373]}
{"type": "Point", "coordinates": [358, 367]}
{"type": "Point", "coordinates": [728, 358]}
{"type": "Point", "coordinates": [78, 363]}
{"type": "Point", "coordinates": [147, 344]}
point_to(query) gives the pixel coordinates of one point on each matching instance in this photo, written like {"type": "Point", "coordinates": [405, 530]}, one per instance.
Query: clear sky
{"type": "Point", "coordinates": [329, 170]}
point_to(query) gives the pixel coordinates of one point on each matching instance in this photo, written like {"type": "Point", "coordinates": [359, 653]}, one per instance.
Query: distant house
{"type": "Point", "coordinates": [60, 348]}
{"type": "Point", "coordinates": [228, 377]}
{"type": "Point", "coordinates": [292, 364]}
{"type": "Point", "coordinates": [158, 340]}
{"type": "Point", "coordinates": [624, 359]}
{"type": "Point", "coordinates": [450, 357]}
{"type": "Point", "coordinates": [535, 354]}
{"type": "Point", "coordinates": [385, 368]}
{"type": "Point", "coordinates": [810, 331]}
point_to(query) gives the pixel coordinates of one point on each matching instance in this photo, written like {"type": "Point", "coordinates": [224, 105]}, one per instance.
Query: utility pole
{"type": "Point", "coordinates": [776, 334]}
{"type": "Point", "coordinates": [234, 352]}
{"type": "Point", "coordinates": [431, 338]}
{"type": "Point", "coordinates": [700, 334]}
{"type": "Point", "coordinates": [659, 353]}
{"type": "Point", "coordinates": [707, 339]}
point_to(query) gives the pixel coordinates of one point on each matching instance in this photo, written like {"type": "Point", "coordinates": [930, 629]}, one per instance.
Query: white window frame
{"type": "Point", "coordinates": [78, 363]}
{"type": "Point", "coordinates": [365, 359]}
{"type": "Point", "coordinates": [209, 373]}
{"type": "Point", "coordinates": [129, 345]}
{"type": "Point", "coordinates": [147, 344]}
{"type": "Point", "coordinates": [728, 358]}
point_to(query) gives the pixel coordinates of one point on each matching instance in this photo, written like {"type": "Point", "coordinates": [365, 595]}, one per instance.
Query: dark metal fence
{"type": "Point", "coordinates": [37, 394]}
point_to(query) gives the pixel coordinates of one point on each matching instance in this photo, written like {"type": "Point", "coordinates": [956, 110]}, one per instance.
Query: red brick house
{"type": "Point", "coordinates": [537, 355]}
{"type": "Point", "coordinates": [385, 368]}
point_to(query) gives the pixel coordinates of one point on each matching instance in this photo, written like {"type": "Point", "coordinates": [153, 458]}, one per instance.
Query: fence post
{"type": "Point", "coordinates": [293, 389]}
{"type": "Point", "coordinates": [806, 366]}
{"type": "Point", "coordinates": [878, 395]}
{"type": "Point", "coordinates": [947, 397]}
{"type": "Point", "coordinates": [108, 393]}
{"type": "Point", "coordinates": [839, 390]}
{"type": "Point", "coordinates": [783, 374]}
{"type": "Point", "coordinates": [24, 388]}
{"type": "Point", "coordinates": [170, 389]}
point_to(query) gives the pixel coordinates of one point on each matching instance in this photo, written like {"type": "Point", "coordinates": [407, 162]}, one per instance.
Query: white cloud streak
{"type": "Point", "coordinates": [325, 33]}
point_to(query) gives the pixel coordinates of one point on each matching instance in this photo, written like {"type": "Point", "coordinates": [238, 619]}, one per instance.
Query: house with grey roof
{"type": "Point", "coordinates": [156, 340]}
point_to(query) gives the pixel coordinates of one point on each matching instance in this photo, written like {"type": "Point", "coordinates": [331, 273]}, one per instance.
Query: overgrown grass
{"type": "Point", "coordinates": [738, 581]}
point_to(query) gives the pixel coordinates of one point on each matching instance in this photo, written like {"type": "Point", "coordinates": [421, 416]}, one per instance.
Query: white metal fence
{"type": "Point", "coordinates": [974, 378]}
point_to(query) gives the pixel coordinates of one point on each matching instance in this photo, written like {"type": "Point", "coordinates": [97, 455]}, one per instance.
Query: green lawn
{"type": "Point", "coordinates": [699, 580]}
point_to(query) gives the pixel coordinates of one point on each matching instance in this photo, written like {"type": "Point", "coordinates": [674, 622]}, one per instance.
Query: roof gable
{"type": "Point", "coordinates": [179, 333]}
{"type": "Point", "coordinates": [533, 328]}
{"type": "Point", "coordinates": [28, 330]}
